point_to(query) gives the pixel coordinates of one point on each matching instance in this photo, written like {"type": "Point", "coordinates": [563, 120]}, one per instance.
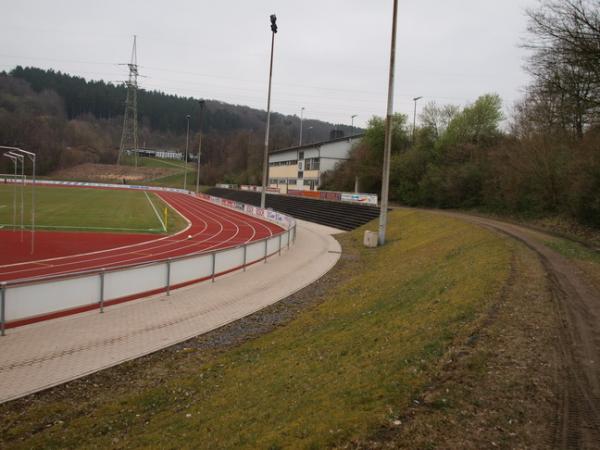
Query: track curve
{"type": "Point", "coordinates": [211, 227]}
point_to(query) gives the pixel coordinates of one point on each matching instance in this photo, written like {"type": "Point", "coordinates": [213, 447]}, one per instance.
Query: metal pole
{"type": "Point", "coordinates": [416, 99]}
{"type": "Point", "coordinates": [2, 309]}
{"type": "Point", "coordinates": [279, 245]}
{"type": "Point", "coordinates": [14, 183]}
{"type": "Point", "coordinates": [266, 154]}
{"type": "Point", "coordinates": [22, 196]}
{"type": "Point", "coordinates": [388, 135]}
{"type": "Point", "coordinates": [187, 143]}
{"type": "Point", "coordinates": [33, 210]}
{"type": "Point", "coordinates": [199, 146]}
{"type": "Point", "coordinates": [214, 263]}
{"type": "Point", "coordinates": [266, 249]}
{"type": "Point", "coordinates": [102, 291]}
{"type": "Point", "coordinates": [352, 124]}
{"type": "Point", "coordinates": [168, 276]}
{"type": "Point", "coordinates": [245, 251]}
{"type": "Point", "coordinates": [301, 119]}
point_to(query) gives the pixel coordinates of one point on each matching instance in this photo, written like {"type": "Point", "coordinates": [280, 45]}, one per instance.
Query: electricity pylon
{"type": "Point", "coordinates": [129, 138]}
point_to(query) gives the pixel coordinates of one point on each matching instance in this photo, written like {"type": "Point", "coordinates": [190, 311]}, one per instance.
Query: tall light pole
{"type": "Point", "coordinates": [187, 145]}
{"type": "Point", "coordinates": [301, 118]}
{"type": "Point", "coordinates": [387, 149]}
{"type": "Point", "coordinates": [202, 103]}
{"type": "Point", "coordinates": [263, 193]}
{"type": "Point", "coordinates": [416, 99]}
{"type": "Point", "coordinates": [352, 123]}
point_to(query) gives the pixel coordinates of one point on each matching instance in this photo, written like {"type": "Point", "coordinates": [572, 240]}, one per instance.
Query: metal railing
{"type": "Point", "coordinates": [33, 299]}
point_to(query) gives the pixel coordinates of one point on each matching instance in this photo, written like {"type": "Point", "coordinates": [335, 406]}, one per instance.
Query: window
{"type": "Point", "coordinates": [300, 155]}
{"type": "Point", "coordinates": [301, 175]}
{"type": "Point", "coordinates": [312, 164]}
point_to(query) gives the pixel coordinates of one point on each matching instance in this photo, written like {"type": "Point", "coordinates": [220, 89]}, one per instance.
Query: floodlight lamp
{"type": "Point", "coordinates": [273, 23]}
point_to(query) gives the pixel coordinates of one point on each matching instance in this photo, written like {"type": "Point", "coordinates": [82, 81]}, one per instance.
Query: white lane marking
{"type": "Point", "coordinates": [156, 212]}
{"type": "Point", "coordinates": [86, 228]}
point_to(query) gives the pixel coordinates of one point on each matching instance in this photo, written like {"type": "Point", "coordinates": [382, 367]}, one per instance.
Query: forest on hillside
{"type": "Point", "coordinates": [546, 163]}
{"type": "Point", "coordinates": [68, 120]}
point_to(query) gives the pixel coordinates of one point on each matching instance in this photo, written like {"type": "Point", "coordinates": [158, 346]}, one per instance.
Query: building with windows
{"type": "Point", "coordinates": [300, 168]}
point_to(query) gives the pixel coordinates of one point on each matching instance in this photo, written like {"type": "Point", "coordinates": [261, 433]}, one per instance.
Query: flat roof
{"type": "Point", "coordinates": [317, 144]}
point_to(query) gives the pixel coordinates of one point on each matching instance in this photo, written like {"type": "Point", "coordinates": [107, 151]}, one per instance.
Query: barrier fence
{"type": "Point", "coordinates": [26, 301]}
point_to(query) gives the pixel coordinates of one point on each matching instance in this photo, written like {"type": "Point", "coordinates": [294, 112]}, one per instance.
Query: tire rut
{"type": "Point", "coordinates": [578, 306]}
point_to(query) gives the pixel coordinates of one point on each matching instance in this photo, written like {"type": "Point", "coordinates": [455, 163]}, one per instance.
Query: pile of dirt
{"type": "Point", "coordinates": [112, 173]}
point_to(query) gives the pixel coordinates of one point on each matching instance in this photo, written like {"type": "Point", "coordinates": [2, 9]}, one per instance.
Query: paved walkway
{"type": "Point", "coordinates": [35, 357]}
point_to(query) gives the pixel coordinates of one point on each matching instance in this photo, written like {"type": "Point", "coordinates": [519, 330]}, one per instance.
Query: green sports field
{"type": "Point", "coordinates": [62, 208]}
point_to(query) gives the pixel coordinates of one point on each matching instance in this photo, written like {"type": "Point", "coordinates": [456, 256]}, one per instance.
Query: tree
{"type": "Point", "coordinates": [565, 63]}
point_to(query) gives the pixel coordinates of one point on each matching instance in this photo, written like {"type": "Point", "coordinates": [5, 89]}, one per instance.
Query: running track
{"type": "Point", "coordinates": [211, 227]}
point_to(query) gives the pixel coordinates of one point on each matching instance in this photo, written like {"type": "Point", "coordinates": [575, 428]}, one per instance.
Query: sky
{"type": "Point", "coordinates": [331, 56]}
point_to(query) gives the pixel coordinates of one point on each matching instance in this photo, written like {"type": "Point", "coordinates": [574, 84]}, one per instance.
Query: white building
{"type": "Point", "coordinates": [301, 167]}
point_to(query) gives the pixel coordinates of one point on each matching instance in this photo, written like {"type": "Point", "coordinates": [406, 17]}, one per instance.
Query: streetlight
{"type": "Point", "coordinates": [187, 144]}
{"type": "Point", "coordinates": [301, 117]}
{"type": "Point", "coordinates": [416, 99]}
{"type": "Point", "coordinates": [266, 155]}
{"type": "Point", "coordinates": [202, 103]}
{"type": "Point", "coordinates": [352, 126]}
{"type": "Point", "coordinates": [387, 149]}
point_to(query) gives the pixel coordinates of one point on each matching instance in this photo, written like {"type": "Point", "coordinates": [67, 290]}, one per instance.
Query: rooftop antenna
{"type": "Point", "coordinates": [129, 138]}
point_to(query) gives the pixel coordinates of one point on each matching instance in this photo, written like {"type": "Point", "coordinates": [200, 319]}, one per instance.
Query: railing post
{"type": "Point", "coordinates": [266, 248]}
{"type": "Point", "coordinates": [279, 245]}
{"type": "Point", "coordinates": [295, 229]}
{"type": "Point", "coordinates": [102, 291]}
{"type": "Point", "coordinates": [289, 236]}
{"type": "Point", "coordinates": [168, 276]}
{"type": "Point", "coordinates": [245, 249]}
{"type": "Point", "coordinates": [214, 263]}
{"type": "Point", "coordinates": [2, 309]}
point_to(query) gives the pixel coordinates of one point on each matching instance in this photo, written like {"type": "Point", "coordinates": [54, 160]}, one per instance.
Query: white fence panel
{"type": "Point", "coordinates": [229, 259]}
{"type": "Point", "coordinates": [51, 296]}
{"type": "Point", "coordinates": [273, 245]}
{"type": "Point", "coordinates": [124, 283]}
{"type": "Point", "coordinates": [255, 252]}
{"type": "Point", "coordinates": [191, 269]}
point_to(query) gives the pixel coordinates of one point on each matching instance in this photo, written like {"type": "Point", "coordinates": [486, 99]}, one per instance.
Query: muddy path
{"type": "Point", "coordinates": [578, 304]}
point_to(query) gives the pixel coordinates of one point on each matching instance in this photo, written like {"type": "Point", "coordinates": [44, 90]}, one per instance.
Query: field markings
{"type": "Point", "coordinates": [58, 227]}
{"type": "Point", "coordinates": [156, 212]}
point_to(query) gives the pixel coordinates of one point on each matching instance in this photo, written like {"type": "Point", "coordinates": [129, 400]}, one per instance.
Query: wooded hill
{"type": "Point", "coordinates": [71, 120]}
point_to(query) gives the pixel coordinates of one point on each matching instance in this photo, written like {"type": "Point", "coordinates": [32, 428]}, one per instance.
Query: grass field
{"type": "Point", "coordinates": [335, 374]}
{"type": "Point", "coordinates": [62, 208]}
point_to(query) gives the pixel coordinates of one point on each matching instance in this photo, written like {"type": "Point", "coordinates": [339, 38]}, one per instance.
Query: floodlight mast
{"type": "Point", "coordinates": [187, 144]}
{"type": "Point", "coordinates": [263, 193]}
{"type": "Point", "coordinates": [32, 157]}
{"type": "Point", "coordinates": [388, 135]}
{"type": "Point", "coordinates": [416, 99]}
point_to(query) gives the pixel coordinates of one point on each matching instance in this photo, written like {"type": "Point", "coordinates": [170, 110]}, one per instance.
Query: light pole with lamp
{"type": "Point", "coordinates": [263, 194]}
{"type": "Point", "coordinates": [187, 144]}
{"type": "Point", "coordinates": [352, 126]}
{"type": "Point", "coordinates": [416, 99]}
{"type": "Point", "coordinates": [301, 118]}
{"type": "Point", "coordinates": [202, 103]}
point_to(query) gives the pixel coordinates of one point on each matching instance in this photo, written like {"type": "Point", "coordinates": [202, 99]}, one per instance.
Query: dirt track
{"type": "Point", "coordinates": [578, 303]}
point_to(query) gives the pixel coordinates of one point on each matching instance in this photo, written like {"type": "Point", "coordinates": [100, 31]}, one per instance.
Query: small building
{"type": "Point", "coordinates": [300, 168]}
{"type": "Point", "coordinates": [161, 154]}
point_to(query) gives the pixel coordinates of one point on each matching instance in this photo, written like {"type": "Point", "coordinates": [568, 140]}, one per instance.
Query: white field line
{"type": "Point", "coordinates": [86, 228]}
{"type": "Point", "coordinates": [156, 212]}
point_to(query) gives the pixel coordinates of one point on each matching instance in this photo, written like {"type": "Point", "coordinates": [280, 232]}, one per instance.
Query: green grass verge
{"type": "Point", "coordinates": [62, 208]}
{"type": "Point", "coordinates": [573, 250]}
{"type": "Point", "coordinates": [337, 372]}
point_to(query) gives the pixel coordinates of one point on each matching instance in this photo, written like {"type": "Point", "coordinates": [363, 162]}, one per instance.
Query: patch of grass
{"type": "Point", "coordinates": [61, 208]}
{"type": "Point", "coordinates": [573, 250]}
{"type": "Point", "coordinates": [336, 373]}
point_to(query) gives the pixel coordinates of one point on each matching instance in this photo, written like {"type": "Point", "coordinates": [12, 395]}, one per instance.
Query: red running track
{"type": "Point", "coordinates": [211, 227]}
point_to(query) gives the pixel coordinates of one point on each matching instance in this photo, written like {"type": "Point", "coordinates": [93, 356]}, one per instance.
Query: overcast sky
{"type": "Point", "coordinates": [331, 56]}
